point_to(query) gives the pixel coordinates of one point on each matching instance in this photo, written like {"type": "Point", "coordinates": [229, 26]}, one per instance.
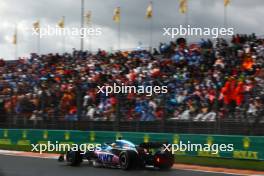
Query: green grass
{"type": "Point", "coordinates": [16, 147]}
{"type": "Point", "coordinates": [221, 162]}
{"type": "Point", "coordinates": [19, 148]}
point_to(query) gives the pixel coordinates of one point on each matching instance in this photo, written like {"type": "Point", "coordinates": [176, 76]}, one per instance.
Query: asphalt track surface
{"type": "Point", "coordinates": [26, 166]}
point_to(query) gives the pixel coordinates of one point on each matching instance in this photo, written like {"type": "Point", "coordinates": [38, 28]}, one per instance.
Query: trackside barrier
{"type": "Point", "coordinates": [245, 147]}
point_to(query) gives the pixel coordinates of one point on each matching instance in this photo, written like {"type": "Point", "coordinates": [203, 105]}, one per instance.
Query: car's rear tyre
{"type": "Point", "coordinates": [73, 158]}
{"type": "Point", "coordinates": [163, 160]}
{"type": "Point", "coordinates": [128, 160]}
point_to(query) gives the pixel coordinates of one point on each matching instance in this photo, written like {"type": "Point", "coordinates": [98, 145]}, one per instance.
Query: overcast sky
{"type": "Point", "coordinates": [245, 16]}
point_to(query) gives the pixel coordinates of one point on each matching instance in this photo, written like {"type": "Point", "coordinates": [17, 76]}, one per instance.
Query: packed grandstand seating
{"type": "Point", "coordinates": [206, 81]}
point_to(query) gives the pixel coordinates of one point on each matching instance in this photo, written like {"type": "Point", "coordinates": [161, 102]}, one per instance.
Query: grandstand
{"type": "Point", "coordinates": [210, 86]}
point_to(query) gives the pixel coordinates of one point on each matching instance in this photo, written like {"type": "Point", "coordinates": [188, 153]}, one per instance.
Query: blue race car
{"type": "Point", "coordinates": [123, 154]}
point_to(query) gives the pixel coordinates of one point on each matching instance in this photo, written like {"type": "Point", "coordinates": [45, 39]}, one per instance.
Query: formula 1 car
{"type": "Point", "coordinates": [123, 154]}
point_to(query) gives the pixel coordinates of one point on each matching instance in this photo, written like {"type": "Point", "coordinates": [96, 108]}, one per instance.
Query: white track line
{"type": "Point", "coordinates": [19, 153]}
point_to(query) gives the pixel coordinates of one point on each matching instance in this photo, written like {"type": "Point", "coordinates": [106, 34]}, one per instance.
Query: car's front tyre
{"type": "Point", "coordinates": [74, 158]}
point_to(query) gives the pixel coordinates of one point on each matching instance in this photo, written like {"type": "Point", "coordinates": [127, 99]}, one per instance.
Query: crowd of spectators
{"type": "Point", "coordinates": [206, 81]}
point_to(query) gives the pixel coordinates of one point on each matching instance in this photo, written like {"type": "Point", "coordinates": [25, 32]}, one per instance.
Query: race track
{"type": "Point", "coordinates": [28, 166]}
